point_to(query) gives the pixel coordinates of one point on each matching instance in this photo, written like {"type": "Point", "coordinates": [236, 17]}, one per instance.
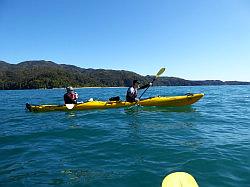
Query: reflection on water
{"type": "Point", "coordinates": [136, 109]}
{"type": "Point", "coordinates": [70, 114]}
{"type": "Point", "coordinates": [85, 175]}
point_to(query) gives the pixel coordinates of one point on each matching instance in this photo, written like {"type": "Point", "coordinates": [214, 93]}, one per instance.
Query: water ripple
{"type": "Point", "coordinates": [118, 147]}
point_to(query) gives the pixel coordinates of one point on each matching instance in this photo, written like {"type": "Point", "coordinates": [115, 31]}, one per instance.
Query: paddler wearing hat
{"type": "Point", "coordinates": [133, 91]}
{"type": "Point", "coordinates": [71, 96]}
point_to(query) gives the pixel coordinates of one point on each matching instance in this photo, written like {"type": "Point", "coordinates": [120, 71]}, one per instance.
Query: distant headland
{"type": "Point", "coordinates": [40, 74]}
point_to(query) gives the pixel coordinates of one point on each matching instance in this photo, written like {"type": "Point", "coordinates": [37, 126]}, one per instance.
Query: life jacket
{"type": "Point", "coordinates": [72, 96]}
{"type": "Point", "coordinates": [131, 94]}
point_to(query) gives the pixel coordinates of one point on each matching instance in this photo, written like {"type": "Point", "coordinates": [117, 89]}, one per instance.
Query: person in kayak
{"type": "Point", "coordinates": [71, 96]}
{"type": "Point", "coordinates": [133, 90]}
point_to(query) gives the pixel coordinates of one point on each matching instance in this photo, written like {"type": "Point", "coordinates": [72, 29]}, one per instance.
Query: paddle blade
{"type": "Point", "coordinates": [160, 72]}
{"type": "Point", "coordinates": [70, 106]}
{"type": "Point", "coordinates": [179, 179]}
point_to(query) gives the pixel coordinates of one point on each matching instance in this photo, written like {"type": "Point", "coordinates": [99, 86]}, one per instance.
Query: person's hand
{"type": "Point", "coordinates": [77, 96]}
{"type": "Point", "coordinates": [137, 99]}
{"type": "Point", "coordinates": [150, 84]}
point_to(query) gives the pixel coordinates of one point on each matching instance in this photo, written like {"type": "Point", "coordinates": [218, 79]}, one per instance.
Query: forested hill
{"type": "Point", "coordinates": [47, 74]}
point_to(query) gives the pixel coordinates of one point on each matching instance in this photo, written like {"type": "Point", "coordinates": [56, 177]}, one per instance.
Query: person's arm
{"type": "Point", "coordinates": [74, 101]}
{"type": "Point", "coordinates": [146, 86]}
{"type": "Point", "coordinates": [76, 95]}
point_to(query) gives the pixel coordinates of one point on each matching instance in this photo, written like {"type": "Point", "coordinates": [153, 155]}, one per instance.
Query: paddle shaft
{"type": "Point", "coordinates": [146, 89]}
{"type": "Point", "coordinates": [157, 75]}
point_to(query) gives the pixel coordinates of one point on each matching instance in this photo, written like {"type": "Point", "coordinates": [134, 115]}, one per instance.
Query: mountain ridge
{"type": "Point", "coordinates": [37, 74]}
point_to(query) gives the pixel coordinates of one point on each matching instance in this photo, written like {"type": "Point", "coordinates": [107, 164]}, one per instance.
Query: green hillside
{"type": "Point", "coordinates": [47, 74]}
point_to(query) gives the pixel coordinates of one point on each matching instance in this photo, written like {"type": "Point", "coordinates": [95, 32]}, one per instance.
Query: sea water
{"type": "Point", "coordinates": [126, 147]}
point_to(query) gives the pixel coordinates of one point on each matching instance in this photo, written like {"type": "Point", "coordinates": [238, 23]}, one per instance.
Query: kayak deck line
{"type": "Point", "coordinates": [164, 101]}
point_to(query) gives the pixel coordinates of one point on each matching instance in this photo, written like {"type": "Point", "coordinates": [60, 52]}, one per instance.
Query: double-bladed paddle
{"type": "Point", "coordinates": [161, 71]}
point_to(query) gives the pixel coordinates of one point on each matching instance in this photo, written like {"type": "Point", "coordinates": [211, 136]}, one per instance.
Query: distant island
{"type": "Point", "coordinates": [42, 74]}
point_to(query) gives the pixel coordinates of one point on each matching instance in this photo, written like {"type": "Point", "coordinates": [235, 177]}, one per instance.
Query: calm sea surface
{"type": "Point", "coordinates": [132, 148]}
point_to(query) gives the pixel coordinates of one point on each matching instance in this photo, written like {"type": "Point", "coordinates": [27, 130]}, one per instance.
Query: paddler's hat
{"type": "Point", "coordinates": [136, 81]}
{"type": "Point", "coordinates": [69, 89]}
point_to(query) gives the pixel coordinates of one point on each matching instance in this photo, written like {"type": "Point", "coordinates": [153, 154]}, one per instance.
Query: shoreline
{"type": "Point", "coordinates": [120, 87]}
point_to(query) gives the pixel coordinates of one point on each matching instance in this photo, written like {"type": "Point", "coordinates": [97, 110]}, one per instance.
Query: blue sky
{"type": "Point", "coordinates": [195, 40]}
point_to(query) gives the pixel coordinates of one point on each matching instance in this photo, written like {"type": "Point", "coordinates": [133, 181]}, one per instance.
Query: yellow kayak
{"type": "Point", "coordinates": [170, 101]}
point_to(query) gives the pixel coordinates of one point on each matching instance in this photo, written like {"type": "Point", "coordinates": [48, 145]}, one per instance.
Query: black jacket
{"type": "Point", "coordinates": [130, 97]}
{"type": "Point", "coordinates": [68, 99]}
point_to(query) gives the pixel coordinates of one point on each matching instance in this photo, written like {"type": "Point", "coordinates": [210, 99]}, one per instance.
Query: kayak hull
{"type": "Point", "coordinates": [170, 101]}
